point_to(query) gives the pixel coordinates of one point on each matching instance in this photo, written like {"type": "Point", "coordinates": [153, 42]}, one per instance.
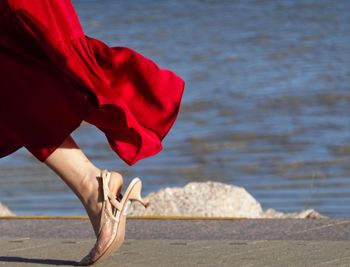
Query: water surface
{"type": "Point", "coordinates": [266, 104]}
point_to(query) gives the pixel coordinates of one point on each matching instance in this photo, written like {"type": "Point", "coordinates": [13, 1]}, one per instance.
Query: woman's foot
{"type": "Point", "coordinates": [111, 234]}
{"type": "Point", "coordinates": [93, 198]}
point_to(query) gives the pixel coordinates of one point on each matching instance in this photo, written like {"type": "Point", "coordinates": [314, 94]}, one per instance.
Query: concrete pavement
{"type": "Point", "coordinates": [169, 242]}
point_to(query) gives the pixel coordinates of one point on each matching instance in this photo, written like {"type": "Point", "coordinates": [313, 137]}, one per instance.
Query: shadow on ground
{"type": "Point", "coordinates": [36, 261]}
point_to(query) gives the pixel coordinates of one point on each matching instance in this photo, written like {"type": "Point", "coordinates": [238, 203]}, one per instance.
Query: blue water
{"type": "Point", "coordinates": [266, 105]}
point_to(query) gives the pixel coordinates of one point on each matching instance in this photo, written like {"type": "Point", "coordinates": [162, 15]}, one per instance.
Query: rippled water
{"type": "Point", "coordinates": [266, 105]}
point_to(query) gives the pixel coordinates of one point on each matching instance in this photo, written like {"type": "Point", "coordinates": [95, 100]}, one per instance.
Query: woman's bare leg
{"type": "Point", "coordinates": [81, 175]}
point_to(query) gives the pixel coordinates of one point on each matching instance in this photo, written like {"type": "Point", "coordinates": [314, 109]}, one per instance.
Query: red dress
{"type": "Point", "coordinates": [53, 77]}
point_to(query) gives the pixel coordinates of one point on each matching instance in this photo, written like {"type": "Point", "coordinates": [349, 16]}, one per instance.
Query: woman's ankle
{"type": "Point", "coordinates": [91, 191]}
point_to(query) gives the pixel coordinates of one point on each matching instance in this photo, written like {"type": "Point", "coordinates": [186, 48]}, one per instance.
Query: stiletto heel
{"type": "Point", "coordinates": [135, 194]}
{"type": "Point", "coordinates": [112, 230]}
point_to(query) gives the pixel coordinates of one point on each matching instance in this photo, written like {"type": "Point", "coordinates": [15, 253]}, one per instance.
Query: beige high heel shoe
{"type": "Point", "coordinates": [112, 230]}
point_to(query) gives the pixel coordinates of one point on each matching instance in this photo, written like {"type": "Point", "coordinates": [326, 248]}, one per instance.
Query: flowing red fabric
{"type": "Point", "coordinates": [53, 77]}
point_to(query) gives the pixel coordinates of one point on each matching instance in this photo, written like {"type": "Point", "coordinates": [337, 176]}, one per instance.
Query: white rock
{"type": "Point", "coordinates": [210, 199]}
{"type": "Point", "coordinates": [306, 214]}
{"type": "Point", "coordinates": [4, 211]}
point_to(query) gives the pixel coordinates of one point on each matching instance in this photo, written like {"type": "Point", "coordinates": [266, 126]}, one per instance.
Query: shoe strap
{"type": "Point", "coordinates": [107, 195]}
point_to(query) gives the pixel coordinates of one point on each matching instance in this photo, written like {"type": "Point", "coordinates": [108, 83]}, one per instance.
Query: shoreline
{"type": "Point", "coordinates": [196, 200]}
